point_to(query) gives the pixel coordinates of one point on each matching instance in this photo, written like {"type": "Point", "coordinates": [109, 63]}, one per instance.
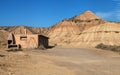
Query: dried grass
{"type": "Point", "coordinates": [108, 47]}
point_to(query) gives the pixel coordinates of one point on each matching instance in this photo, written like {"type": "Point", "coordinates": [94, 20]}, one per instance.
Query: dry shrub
{"type": "Point", "coordinates": [41, 47]}
{"type": "Point", "coordinates": [108, 47]}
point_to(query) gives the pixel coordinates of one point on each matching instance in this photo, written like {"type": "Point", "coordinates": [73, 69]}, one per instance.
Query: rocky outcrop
{"type": "Point", "coordinates": [42, 31]}
{"type": "Point", "coordinates": [20, 30]}
{"type": "Point", "coordinates": [88, 15]}
{"type": "Point", "coordinates": [108, 34]}
{"type": "Point", "coordinates": [87, 20]}
{"type": "Point", "coordinates": [3, 35]}
{"type": "Point", "coordinates": [60, 34]}
{"type": "Point", "coordinates": [85, 30]}
{"type": "Point", "coordinates": [3, 38]}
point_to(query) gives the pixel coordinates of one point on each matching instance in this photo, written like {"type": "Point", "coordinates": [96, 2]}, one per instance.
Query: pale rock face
{"type": "Point", "coordinates": [61, 33]}
{"type": "Point", "coordinates": [87, 20]}
{"type": "Point", "coordinates": [42, 31]}
{"type": "Point", "coordinates": [64, 32]}
{"type": "Point", "coordinates": [3, 35]}
{"type": "Point", "coordinates": [28, 30]}
{"type": "Point", "coordinates": [108, 34]}
{"type": "Point", "coordinates": [3, 38]}
{"type": "Point", "coordinates": [88, 15]}
{"type": "Point", "coordinates": [21, 30]}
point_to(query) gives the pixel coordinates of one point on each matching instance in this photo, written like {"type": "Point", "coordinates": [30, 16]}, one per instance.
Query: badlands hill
{"type": "Point", "coordinates": [107, 33]}
{"type": "Point", "coordinates": [21, 29]}
{"type": "Point", "coordinates": [64, 32]}
{"type": "Point", "coordinates": [5, 30]}
{"type": "Point", "coordinates": [86, 20]}
{"type": "Point", "coordinates": [84, 30]}
{"type": "Point", "coordinates": [3, 38]}
{"type": "Point", "coordinates": [88, 15]}
{"type": "Point", "coordinates": [60, 34]}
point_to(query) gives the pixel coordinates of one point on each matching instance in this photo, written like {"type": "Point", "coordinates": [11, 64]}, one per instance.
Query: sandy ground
{"type": "Point", "coordinates": [60, 61]}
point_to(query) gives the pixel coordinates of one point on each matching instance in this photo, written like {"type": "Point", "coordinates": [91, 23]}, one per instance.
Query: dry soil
{"type": "Point", "coordinates": [59, 61]}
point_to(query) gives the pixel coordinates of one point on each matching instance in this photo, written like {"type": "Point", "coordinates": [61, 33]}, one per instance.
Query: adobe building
{"type": "Point", "coordinates": [31, 40]}
{"type": "Point", "coordinates": [26, 39]}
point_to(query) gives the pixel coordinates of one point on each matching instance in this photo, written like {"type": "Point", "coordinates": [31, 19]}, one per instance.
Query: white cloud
{"type": "Point", "coordinates": [104, 15]}
{"type": "Point", "coordinates": [111, 15]}
{"type": "Point", "coordinates": [118, 15]}
{"type": "Point", "coordinates": [117, 9]}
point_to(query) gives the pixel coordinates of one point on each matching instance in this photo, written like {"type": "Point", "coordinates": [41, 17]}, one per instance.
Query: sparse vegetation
{"type": "Point", "coordinates": [108, 47]}
{"type": "Point", "coordinates": [14, 50]}
{"type": "Point", "coordinates": [41, 47]}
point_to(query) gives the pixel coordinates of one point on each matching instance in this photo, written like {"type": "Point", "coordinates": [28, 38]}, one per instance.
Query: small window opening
{"type": "Point", "coordinates": [23, 38]}
{"type": "Point", "coordinates": [106, 31]}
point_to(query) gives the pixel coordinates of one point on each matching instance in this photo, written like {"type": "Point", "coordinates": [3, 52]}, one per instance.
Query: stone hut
{"type": "Point", "coordinates": [26, 39]}
{"type": "Point", "coordinates": [31, 40]}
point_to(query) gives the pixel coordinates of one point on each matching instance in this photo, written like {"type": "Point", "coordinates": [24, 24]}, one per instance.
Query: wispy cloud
{"type": "Point", "coordinates": [113, 14]}
{"type": "Point", "coordinates": [117, 14]}
{"type": "Point", "coordinates": [104, 15]}
{"type": "Point", "coordinates": [117, 9]}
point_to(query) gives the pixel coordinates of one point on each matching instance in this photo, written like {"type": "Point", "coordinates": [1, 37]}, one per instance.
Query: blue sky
{"type": "Point", "coordinates": [45, 13]}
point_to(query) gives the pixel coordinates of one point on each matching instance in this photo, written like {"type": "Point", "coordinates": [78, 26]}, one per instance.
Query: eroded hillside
{"type": "Point", "coordinates": [67, 31]}
{"type": "Point", "coordinates": [85, 29]}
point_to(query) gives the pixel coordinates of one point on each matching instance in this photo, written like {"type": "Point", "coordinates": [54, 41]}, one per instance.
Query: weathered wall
{"type": "Point", "coordinates": [30, 42]}
{"type": "Point", "coordinates": [42, 41]}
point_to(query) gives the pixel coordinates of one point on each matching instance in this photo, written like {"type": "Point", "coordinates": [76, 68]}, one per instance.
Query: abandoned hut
{"type": "Point", "coordinates": [26, 39]}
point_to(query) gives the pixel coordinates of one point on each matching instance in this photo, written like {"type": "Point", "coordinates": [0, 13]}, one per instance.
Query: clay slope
{"type": "Point", "coordinates": [88, 15]}
{"type": "Point", "coordinates": [20, 30]}
{"type": "Point", "coordinates": [42, 31]}
{"type": "Point", "coordinates": [86, 20]}
{"type": "Point", "coordinates": [108, 34]}
{"type": "Point", "coordinates": [60, 34]}
{"type": "Point", "coordinates": [3, 38]}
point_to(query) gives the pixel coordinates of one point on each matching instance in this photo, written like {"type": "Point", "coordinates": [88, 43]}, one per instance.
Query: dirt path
{"type": "Point", "coordinates": [87, 61]}
{"type": "Point", "coordinates": [60, 61]}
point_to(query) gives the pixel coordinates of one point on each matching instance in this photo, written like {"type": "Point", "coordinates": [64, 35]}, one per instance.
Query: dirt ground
{"type": "Point", "coordinates": [60, 61]}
